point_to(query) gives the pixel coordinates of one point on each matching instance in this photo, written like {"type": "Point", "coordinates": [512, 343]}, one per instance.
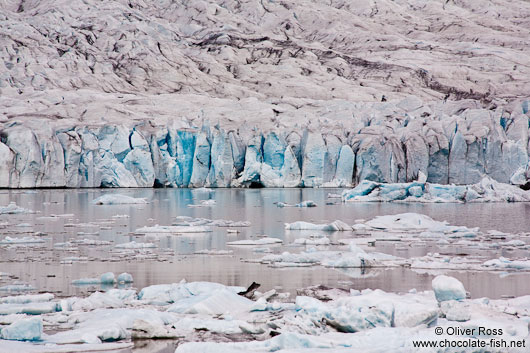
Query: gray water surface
{"type": "Point", "coordinates": [174, 259]}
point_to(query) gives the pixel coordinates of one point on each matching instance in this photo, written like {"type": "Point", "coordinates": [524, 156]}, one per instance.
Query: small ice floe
{"type": "Point", "coordinates": [27, 298]}
{"type": "Point", "coordinates": [214, 252]}
{"type": "Point", "coordinates": [190, 221]}
{"type": "Point", "coordinates": [73, 259]}
{"type": "Point", "coordinates": [307, 203]}
{"type": "Point", "coordinates": [91, 242]}
{"type": "Point", "coordinates": [23, 240]}
{"type": "Point", "coordinates": [17, 287]}
{"type": "Point", "coordinates": [334, 196]}
{"type": "Point", "coordinates": [106, 278]}
{"type": "Point", "coordinates": [331, 227]}
{"type": "Point", "coordinates": [203, 189]}
{"type": "Point", "coordinates": [28, 308]}
{"type": "Point", "coordinates": [135, 245]}
{"type": "Point", "coordinates": [118, 199]}
{"type": "Point", "coordinates": [121, 216]}
{"type": "Point", "coordinates": [262, 241]}
{"type": "Point", "coordinates": [354, 257]}
{"type": "Point", "coordinates": [173, 229]}
{"type": "Point", "coordinates": [313, 241]}
{"type": "Point", "coordinates": [203, 203]}
{"type": "Point", "coordinates": [504, 263]}
{"type": "Point", "coordinates": [63, 215]}
{"type": "Point", "coordinates": [12, 208]}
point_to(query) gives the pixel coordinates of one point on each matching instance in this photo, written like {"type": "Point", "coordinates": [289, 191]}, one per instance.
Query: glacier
{"type": "Point", "coordinates": [382, 143]}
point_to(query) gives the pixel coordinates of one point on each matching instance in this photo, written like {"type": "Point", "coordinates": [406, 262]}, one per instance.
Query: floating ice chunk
{"type": "Point", "coordinates": [204, 203]}
{"type": "Point", "coordinates": [351, 314]}
{"type": "Point", "coordinates": [124, 278]}
{"type": "Point", "coordinates": [118, 199]}
{"type": "Point", "coordinates": [86, 281]}
{"type": "Point", "coordinates": [202, 189]}
{"type": "Point", "coordinates": [214, 252]}
{"type": "Point", "coordinates": [487, 190]}
{"type": "Point", "coordinates": [90, 242]}
{"type": "Point", "coordinates": [23, 330]}
{"type": "Point", "coordinates": [23, 240]}
{"type": "Point", "coordinates": [107, 278]}
{"type": "Point", "coordinates": [218, 302]}
{"type": "Point", "coordinates": [504, 263]}
{"type": "Point", "coordinates": [448, 288]}
{"type": "Point", "coordinates": [317, 241]}
{"type": "Point", "coordinates": [307, 203]}
{"type": "Point", "coordinates": [515, 242]}
{"type": "Point", "coordinates": [145, 329]}
{"type": "Point", "coordinates": [189, 221]}
{"type": "Point", "coordinates": [173, 229]}
{"type": "Point", "coordinates": [30, 298]}
{"type": "Point", "coordinates": [455, 311]}
{"type": "Point", "coordinates": [28, 308]}
{"type": "Point", "coordinates": [334, 226]}
{"type": "Point", "coordinates": [12, 208]}
{"type": "Point", "coordinates": [121, 216]}
{"type": "Point", "coordinates": [134, 245]}
{"type": "Point", "coordinates": [96, 300]}
{"type": "Point", "coordinates": [171, 293]}
{"type": "Point", "coordinates": [17, 287]}
{"type": "Point", "coordinates": [262, 241]}
{"type": "Point", "coordinates": [405, 221]}
{"type": "Point", "coordinates": [122, 294]}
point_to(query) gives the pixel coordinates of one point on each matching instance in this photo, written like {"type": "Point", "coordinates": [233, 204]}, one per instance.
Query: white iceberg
{"type": "Point", "coordinates": [173, 229]}
{"type": "Point", "coordinates": [331, 227]}
{"type": "Point", "coordinates": [23, 330]}
{"type": "Point", "coordinates": [118, 199]}
{"type": "Point", "coordinates": [261, 241]}
{"type": "Point", "coordinates": [448, 288]}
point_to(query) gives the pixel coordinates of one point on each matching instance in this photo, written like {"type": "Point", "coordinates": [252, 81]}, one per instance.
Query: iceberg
{"type": "Point", "coordinates": [105, 278]}
{"type": "Point", "coordinates": [124, 278]}
{"type": "Point", "coordinates": [307, 203]}
{"type": "Point", "coordinates": [486, 190]}
{"type": "Point", "coordinates": [12, 208]}
{"type": "Point", "coordinates": [331, 227]}
{"type": "Point", "coordinates": [23, 240]}
{"type": "Point", "coordinates": [172, 229]}
{"type": "Point", "coordinates": [134, 245]}
{"type": "Point", "coordinates": [261, 241]}
{"type": "Point", "coordinates": [448, 288]}
{"type": "Point", "coordinates": [118, 199]}
{"type": "Point", "coordinates": [23, 330]}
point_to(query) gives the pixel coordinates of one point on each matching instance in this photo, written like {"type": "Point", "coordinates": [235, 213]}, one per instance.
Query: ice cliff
{"type": "Point", "coordinates": [280, 94]}
{"type": "Point", "coordinates": [390, 142]}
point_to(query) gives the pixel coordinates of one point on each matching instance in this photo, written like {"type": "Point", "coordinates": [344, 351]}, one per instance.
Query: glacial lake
{"type": "Point", "coordinates": [173, 258]}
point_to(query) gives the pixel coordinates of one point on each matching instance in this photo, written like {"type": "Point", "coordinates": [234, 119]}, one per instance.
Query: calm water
{"type": "Point", "coordinates": [174, 259]}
